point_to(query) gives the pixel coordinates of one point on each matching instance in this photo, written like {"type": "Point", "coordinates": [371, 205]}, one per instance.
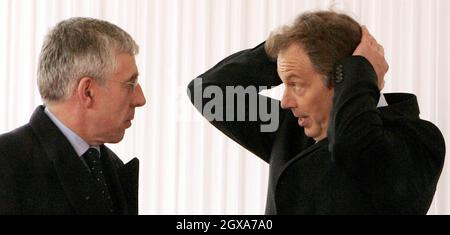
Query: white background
{"type": "Point", "coordinates": [188, 167]}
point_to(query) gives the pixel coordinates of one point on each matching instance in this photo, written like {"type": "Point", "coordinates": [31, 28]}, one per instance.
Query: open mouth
{"type": "Point", "coordinates": [303, 121]}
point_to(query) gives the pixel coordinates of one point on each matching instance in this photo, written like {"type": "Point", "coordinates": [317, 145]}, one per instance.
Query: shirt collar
{"type": "Point", "coordinates": [75, 140]}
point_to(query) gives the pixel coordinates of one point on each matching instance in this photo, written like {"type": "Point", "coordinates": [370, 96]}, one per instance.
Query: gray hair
{"type": "Point", "coordinates": [77, 48]}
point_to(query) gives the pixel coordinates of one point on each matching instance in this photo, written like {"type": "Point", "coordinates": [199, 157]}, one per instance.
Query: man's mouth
{"type": "Point", "coordinates": [129, 122]}
{"type": "Point", "coordinates": [303, 120]}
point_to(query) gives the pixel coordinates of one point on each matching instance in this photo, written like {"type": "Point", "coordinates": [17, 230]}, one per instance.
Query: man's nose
{"type": "Point", "coordinates": [139, 98]}
{"type": "Point", "coordinates": [287, 101]}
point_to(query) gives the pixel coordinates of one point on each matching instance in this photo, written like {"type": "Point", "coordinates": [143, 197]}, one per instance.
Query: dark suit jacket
{"type": "Point", "coordinates": [40, 173]}
{"type": "Point", "coordinates": [374, 161]}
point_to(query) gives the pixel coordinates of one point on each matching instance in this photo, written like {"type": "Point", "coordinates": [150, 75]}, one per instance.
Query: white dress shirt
{"type": "Point", "coordinates": [80, 146]}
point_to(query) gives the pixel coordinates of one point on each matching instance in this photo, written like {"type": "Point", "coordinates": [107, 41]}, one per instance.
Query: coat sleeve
{"type": "Point", "coordinates": [248, 70]}
{"type": "Point", "coordinates": [397, 160]}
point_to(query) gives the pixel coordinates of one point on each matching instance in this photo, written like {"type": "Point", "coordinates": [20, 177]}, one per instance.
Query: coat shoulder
{"type": "Point", "coordinates": [17, 143]}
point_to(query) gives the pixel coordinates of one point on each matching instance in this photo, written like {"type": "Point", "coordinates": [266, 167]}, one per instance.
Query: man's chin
{"type": "Point", "coordinates": [310, 133]}
{"type": "Point", "coordinates": [128, 124]}
{"type": "Point", "coordinates": [117, 139]}
{"type": "Point", "coordinates": [307, 131]}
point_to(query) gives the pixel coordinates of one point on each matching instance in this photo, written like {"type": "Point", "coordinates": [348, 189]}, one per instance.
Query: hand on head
{"type": "Point", "coordinates": [374, 53]}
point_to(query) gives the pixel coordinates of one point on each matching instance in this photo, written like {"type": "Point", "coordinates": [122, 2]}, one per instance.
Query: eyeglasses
{"type": "Point", "coordinates": [131, 85]}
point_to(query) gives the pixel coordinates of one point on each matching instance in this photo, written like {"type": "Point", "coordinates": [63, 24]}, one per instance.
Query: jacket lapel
{"type": "Point", "coordinates": [112, 170]}
{"type": "Point", "coordinates": [75, 179]}
{"type": "Point", "coordinates": [298, 157]}
{"type": "Point", "coordinates": [301, 155]}
{"type": "Point", "coordinates": [129, 179]}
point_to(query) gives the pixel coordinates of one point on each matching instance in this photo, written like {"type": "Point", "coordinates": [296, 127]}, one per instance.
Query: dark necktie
{"type": "Point", "coordinates": [92, 158]}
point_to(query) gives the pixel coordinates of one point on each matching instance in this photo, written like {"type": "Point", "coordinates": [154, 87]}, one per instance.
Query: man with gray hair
{"type": "Point", "coordinates": [58, 163]}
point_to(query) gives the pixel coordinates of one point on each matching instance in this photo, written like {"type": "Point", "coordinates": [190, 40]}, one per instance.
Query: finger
{"type": "Point", "coordinates": [381, 49]}
{"type": "Point", "coordinates": [365, 34]}
{"type": "Point", "coordinates": [382, 85]}
{"type": "Point", "coordinates": [369, 37]}
{"type": "Point", "coordinates": [373, 41]}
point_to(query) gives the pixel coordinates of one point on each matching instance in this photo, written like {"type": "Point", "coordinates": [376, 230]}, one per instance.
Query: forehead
{"type": "Point", "coordinates": [125, 65]}
{"type": "Point", "coordinates": [294, 60]}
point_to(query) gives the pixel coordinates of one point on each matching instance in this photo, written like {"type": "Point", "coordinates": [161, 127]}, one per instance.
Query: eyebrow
{"type": "Point", "coordinates": [291, 77]}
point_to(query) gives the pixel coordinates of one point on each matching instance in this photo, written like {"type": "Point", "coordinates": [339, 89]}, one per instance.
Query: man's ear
{"type": "Point", "coordinates": [85, 92]}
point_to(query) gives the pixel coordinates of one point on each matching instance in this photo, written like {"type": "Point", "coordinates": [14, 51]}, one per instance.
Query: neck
{"type": "Point", "coordinates": [324, 129]}
{"type": "Point", "coordinates": [68, 113]}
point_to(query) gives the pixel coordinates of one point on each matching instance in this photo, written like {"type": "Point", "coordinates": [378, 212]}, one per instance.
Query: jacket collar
{"type": "Point", "coordinates": [401, 104]}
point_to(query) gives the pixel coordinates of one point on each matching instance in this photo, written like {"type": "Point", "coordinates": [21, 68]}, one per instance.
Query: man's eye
{"type": "Point", "coordinates": [298, 88]}
{"type": "Point", "coordinates": [133, 83]}
{"type": "Point", "coordinates": [296, 85]}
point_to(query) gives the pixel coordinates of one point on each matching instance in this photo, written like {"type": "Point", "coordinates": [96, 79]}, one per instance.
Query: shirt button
{"type": "Point", "coordinates": [87, 198]}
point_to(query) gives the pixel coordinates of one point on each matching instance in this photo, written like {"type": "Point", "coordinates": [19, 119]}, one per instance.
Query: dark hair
{"type": "Point", "coordinates": [326, 37]}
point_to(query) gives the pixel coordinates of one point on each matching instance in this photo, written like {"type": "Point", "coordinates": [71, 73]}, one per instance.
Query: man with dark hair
{"type": "Point", "coordinates": [339, 148]}
{"type": "Point", "coordinates": [58, 163]}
